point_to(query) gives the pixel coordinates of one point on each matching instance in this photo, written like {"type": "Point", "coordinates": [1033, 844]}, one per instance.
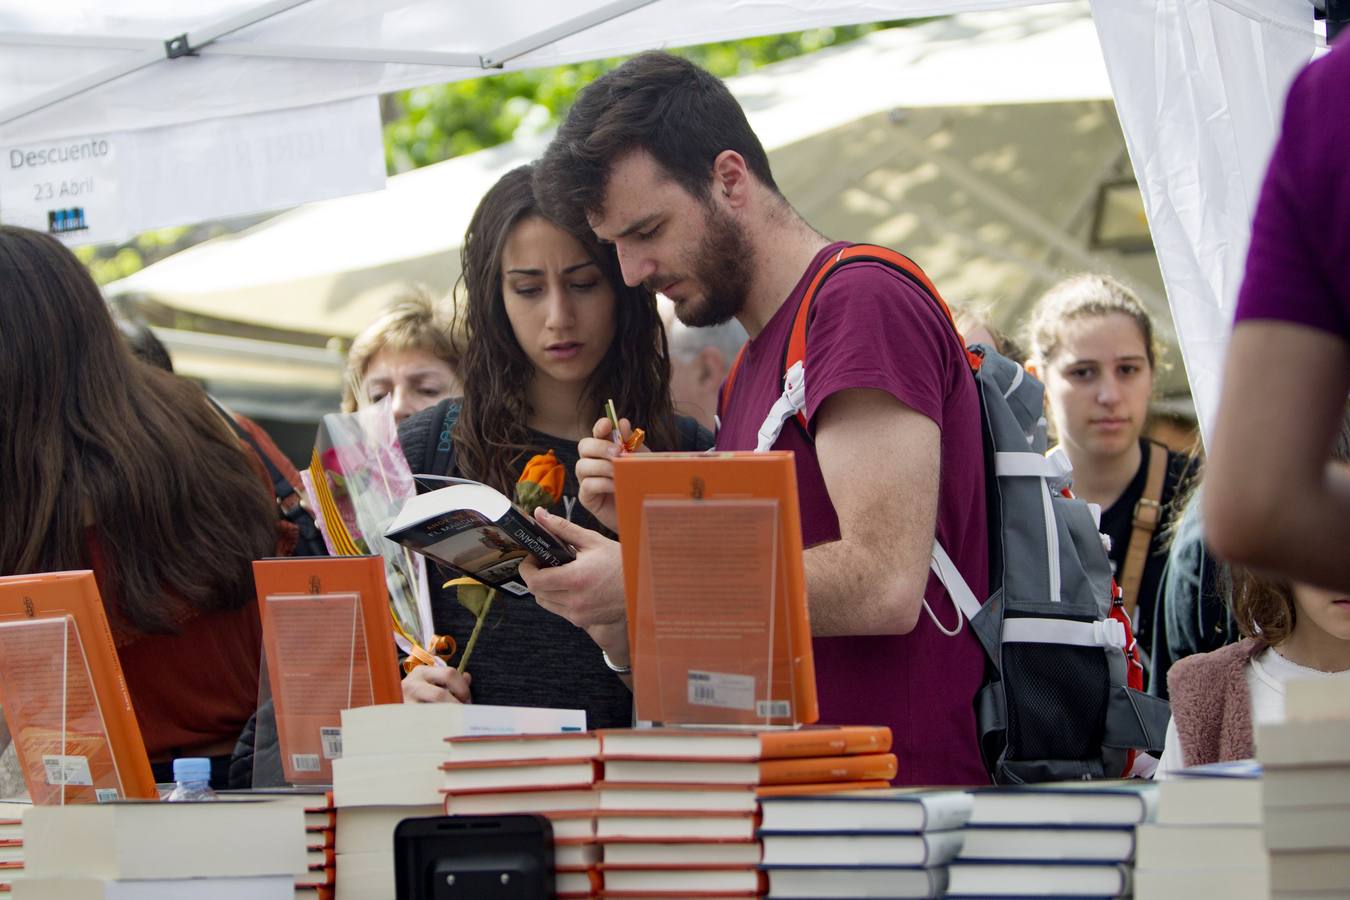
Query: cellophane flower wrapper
{"type": "Point", "coordinates": [370, 481]}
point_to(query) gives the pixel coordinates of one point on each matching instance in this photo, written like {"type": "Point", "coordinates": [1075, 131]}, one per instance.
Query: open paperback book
{"type": "Point", "coordinates": [475, 531]}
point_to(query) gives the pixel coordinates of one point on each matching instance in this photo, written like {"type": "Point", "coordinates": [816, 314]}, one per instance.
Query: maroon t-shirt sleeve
{"type": "Point", "coordinates": [905, 350]}
{"type": "Point", "coordinates": [1298, 264]}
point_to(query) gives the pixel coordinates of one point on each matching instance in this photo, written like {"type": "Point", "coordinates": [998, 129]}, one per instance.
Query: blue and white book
{"type": "Point", "coordinates": [1066, 803]}
{"type": "Point", "coordinates": [996, 843]}
{"type": "Point", "coordinates": [1224, 793]}
{"type": "Point", "coordinates": [1037, 880]}
{"type": "Point", "coordinates": [852, 882]}
{"type": "Point", "coordinates": [922, 850]}
{"type": "Point", "coordinates": [889, 810]}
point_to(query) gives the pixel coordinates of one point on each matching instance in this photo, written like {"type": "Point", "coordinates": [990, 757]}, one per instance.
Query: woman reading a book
{"type": "Point", "coordinates": [113, 465]}
{"type": "Point", "coordinates": [552, 332]}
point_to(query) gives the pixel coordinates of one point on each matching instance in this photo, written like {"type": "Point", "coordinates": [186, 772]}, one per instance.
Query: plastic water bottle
{"type": "Point", "coordinates": [193, 777]}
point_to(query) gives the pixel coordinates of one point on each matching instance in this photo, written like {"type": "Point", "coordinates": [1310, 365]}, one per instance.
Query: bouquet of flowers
{"type": "Point", "coordinates": [360, 480]}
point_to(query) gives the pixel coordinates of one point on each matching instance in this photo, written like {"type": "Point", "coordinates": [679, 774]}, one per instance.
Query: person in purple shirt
{"type": "Point", "coordinates": [1274, 500]}
{"type": "Point", "coordinates": [657, 157]}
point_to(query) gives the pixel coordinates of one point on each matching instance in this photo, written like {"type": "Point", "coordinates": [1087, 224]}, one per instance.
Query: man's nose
{"type": "Point", "coordinates": [636, 266]}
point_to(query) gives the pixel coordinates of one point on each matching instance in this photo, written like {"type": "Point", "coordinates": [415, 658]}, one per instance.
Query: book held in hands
{"type": "Point", "coordinates": [474, 530]}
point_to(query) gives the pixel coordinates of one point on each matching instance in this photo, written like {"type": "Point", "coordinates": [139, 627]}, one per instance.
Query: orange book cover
{"type": "Point", "coordinates": [716, 592]}
{"type": "Point", "coordinates": [829, 787]}
{"type": "Point", "coordinates": [866, 767]}
{"type": "Point", "coordinates": [324, 655]}
{"type": "Point", "coordinates": [690, 743]}
{"type": "Point", "coordinates": [55, 644]}
{"type": "Point", "coordinates": [808, 770]}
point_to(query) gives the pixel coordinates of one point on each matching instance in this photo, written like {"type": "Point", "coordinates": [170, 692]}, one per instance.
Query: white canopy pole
{"type": "Point", "coordinates": [1199, 87]}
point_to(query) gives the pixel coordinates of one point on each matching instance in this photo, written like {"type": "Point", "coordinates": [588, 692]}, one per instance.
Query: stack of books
{"type": "Point", "coordinates": [390, 770]}
{"type": "Point", "coordinates": [1206, 840]}
{"type": "Point", "coordinates": [545, 774]}
{"type": "Point", "coordinates": [11, 841]}
{"type": "Point", "coordinates": [677, 807]}
{"type": "Point", "coordinates": [1064, 839]}
{"type": "Point", "coordinates": [320, 820]}
{"type": "Point", "coordinates": [1306, 790]}
{"type": "Point", "coordinates": [162, 851]}
{"type": "Point", "coordinates": [867, 843]}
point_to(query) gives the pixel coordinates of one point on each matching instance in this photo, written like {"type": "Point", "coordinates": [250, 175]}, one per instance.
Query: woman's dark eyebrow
{"type": "Point", "coordinates": [567, 271]}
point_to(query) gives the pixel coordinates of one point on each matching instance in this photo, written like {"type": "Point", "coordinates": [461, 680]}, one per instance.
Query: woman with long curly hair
{"type": "Point", "coordinates": [551, 333]}
{"type": "Point", "coordinates": [110, 464]}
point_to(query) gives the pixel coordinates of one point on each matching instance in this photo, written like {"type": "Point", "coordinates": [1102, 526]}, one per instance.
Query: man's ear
{"type": "Point", "coordinates": [712, 366]}
{"type": "Point", "coordinates": [731, 178]}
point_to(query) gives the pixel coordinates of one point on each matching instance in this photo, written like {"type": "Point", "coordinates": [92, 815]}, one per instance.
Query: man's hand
{"type": "Point", "coordinates": [587, 592]}
{"type": "Point", "coordinates": [595, 469]}
{"type": "Point", "coordinates": [436, 684]}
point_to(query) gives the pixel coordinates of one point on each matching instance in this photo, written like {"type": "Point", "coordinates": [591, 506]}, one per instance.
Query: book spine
{"type": "Point", "coordinates": [845, 741]}
{"type": "Point", "coordinates": [879, 766]}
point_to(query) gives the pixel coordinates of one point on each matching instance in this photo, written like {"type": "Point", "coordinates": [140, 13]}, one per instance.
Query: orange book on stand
{"type": "Point", "coordinates": [712, 561]}
{"type": "Point", "coordinates": [328, 639]}
{"type": "Point", "coordinates": [64, 697]}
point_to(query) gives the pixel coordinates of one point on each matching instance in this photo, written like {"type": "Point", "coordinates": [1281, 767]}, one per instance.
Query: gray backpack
{"type": "Point", "coordinates": [1063, 695]}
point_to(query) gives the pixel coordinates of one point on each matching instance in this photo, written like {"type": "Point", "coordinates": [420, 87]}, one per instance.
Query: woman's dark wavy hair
{"type": "Point", "coordinates": [492, 436]}
{"type": "Point", "coordinates": [1263, 607]}
{"type": "Point", "coordinates": [92, 438]}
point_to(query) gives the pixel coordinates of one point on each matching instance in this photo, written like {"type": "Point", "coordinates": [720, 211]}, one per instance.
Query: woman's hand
{"type": "Point", "coordinates": [595, 469]}
{"type": "Point", "coordinates": [436, 684]}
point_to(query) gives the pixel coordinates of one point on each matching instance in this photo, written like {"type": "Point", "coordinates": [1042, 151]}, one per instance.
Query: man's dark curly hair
{"type": "Point", "coordinates": [680, 114]}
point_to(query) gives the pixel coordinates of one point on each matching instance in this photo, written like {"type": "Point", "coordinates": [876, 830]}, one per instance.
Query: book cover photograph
{"type": "Point", "coordinates": [63, 695]}
{"type": "Point", "coordinates": [475, 531]}
{"type": "Point", "coordinates": [712, 558]}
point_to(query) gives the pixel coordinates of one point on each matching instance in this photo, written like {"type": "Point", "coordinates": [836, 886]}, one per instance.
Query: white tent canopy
{"type": "Point", "coordinates": [330, 267]}
{"type": "Point", "coordinates": [1198, 84]}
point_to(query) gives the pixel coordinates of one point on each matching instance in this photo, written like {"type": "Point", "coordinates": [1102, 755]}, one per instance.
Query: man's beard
{"type": "Point", "coordinates": [722, 268]}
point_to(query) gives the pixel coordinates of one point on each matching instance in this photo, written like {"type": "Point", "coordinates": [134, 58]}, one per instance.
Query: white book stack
{"type": "Point", "coordinates": [162, 851]}
{"type": "Point", "coordinates": [1207, 840]}
{"type": "Point", "coordinates": [11, 841]}
{"type": "Point", "coordinates": [869, 843]}
{"type": "Point", "coordinates": [543, 774]}
{"type": "Point", "coordinates": [390, 770]}
{"type": "Point", "coordinates": [1064, 839]}
{"type": "Point", "coordinates": [1306, 790]}
{"type": "Point", "coordinates": [320, 821]}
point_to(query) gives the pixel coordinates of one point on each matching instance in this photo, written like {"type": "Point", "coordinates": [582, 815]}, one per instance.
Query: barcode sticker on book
{"type": "Point", "coordinates": [105, 795]}
{"type": "Point", "coordinates": [721, 690]}
{"type": "Point", "coordinates": [332, 742]}
{"type": "Point", "coordinates": [68, 770]}
{"type": "Point", "coordinates": [516, 588]}
{"type": "Point", "coordinates": [773, 709]}
{"type": "Point", "coordinates": [305, 762]}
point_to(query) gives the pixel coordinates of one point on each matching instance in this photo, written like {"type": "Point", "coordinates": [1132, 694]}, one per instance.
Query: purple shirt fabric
{"type": "Point", "coordinates": [1298, 265]}
{"type": "Point", "coordinates": [871, 328]}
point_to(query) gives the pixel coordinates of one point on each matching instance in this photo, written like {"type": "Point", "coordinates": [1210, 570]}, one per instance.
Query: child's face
{"type": "Point", "coordinates": [1328, 610]}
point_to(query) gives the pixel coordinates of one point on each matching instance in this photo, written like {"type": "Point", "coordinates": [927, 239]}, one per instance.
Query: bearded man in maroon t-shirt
{"type": "Point", "coordinates": [657, 158]}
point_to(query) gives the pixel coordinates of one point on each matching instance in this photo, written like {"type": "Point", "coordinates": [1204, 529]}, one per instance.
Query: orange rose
{"type": "Point", "coordinates": [541, 482]}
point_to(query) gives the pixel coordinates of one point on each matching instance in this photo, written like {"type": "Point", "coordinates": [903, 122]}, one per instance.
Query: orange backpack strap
{"type": "Point", "coordinates": [724, 396]}
{"type": "Point", "coordinates": [854, 253]}
{"type": "Point", "coordinates": [857, 253]}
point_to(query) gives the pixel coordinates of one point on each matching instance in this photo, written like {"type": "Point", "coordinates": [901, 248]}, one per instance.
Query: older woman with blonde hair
{"type": "Point", "coordinates": [411, 352]}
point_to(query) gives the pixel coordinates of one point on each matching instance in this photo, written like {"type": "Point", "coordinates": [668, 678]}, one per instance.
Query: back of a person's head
{"type": "Point", "coordinates": [1081, 296]}
{"type": "Point", "coordinates": [975, 327]}
{"type": "Point", "coordinates": [655, 102]}
{"type": "Point", "coordinates": [92, 441]}
{"type": "Point", "coordinates": [144, 344]}
{"type": "Point", "coordinates": [413, 322]}
{"type": "Point", "coordinates": [1263, 606]}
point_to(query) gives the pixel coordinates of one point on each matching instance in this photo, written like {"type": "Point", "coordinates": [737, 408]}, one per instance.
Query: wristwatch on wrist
{"type": "Point", "coordinates": [618, 670]}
